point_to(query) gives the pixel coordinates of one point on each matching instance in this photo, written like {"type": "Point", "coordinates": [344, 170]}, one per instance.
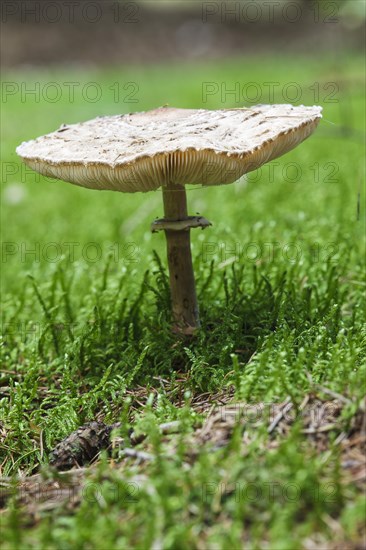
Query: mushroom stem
{"type": "Point", "coordinates": [182, 283]}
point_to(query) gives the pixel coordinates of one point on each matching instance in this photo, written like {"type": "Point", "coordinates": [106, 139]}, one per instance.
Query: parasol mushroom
{"type": "Point", "coordinates": [171, 148]}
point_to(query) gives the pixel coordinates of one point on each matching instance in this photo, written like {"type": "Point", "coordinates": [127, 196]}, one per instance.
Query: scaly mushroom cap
{"type": "Point", "coordinates": [143, 151]}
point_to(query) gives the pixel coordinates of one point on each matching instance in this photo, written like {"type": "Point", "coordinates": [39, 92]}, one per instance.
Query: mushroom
{"type": "Point", "coordinates": [170, 148]}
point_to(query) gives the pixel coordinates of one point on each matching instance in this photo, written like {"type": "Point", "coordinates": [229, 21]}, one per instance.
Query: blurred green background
{"type": "Point", "coordinates": [312, 194]}
{"type": "Point", "coordinates": [64, 66]}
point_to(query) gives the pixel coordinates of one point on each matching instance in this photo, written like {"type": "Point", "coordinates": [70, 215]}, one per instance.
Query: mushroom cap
{"type": "Point", "coordinates": [143, 151]}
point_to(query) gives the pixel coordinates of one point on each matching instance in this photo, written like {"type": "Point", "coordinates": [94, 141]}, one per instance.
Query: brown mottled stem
{"type": "Point", "coordinates": [182, 283]}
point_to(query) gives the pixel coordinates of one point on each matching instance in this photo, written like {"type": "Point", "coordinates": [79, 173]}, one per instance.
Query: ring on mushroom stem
{"type": "Point", "coordinates": [171, 148]}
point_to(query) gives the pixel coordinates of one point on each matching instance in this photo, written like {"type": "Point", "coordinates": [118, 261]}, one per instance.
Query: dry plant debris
{"type": "Point", "coordinates": [321, 424]}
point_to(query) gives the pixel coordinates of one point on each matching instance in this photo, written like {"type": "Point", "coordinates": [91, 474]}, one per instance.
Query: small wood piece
{"type": "Point", "coordinates": [81, 446]}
